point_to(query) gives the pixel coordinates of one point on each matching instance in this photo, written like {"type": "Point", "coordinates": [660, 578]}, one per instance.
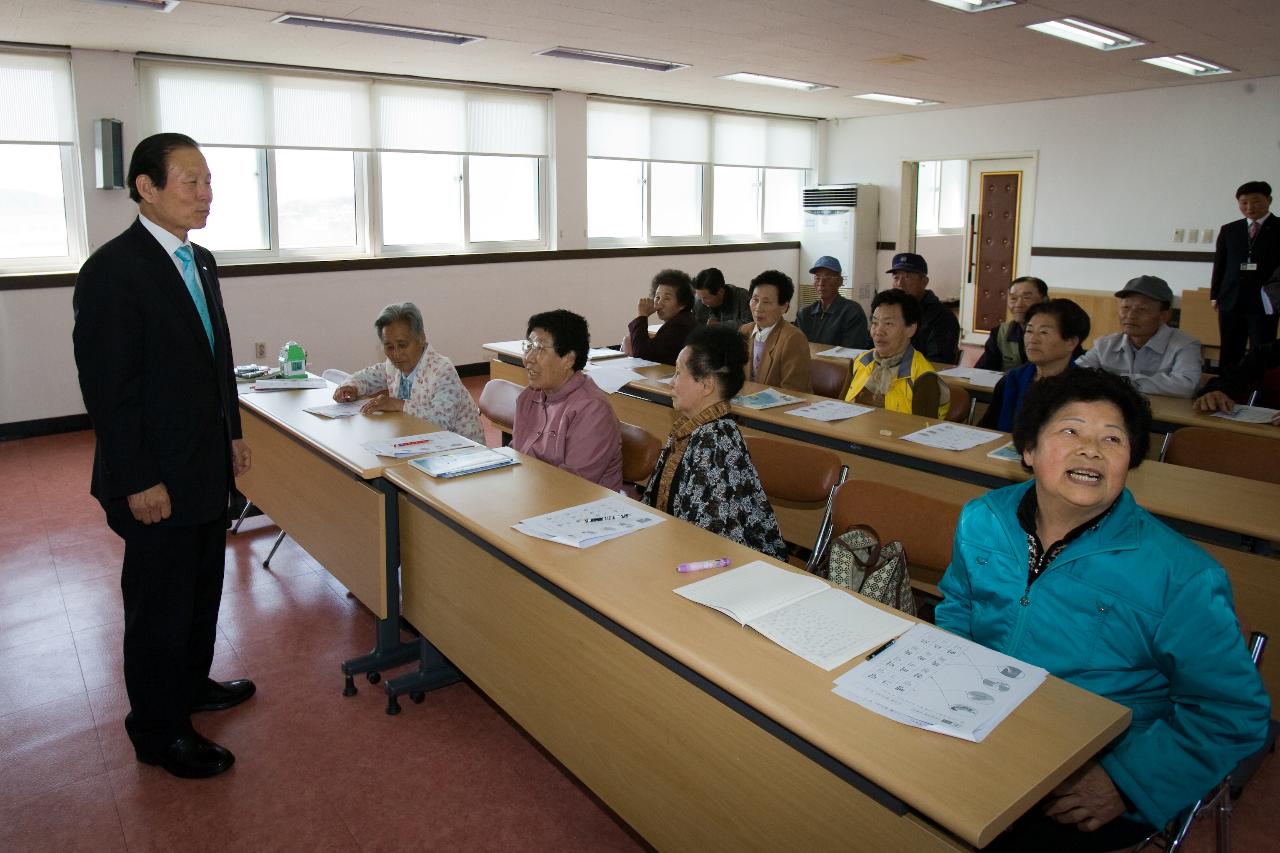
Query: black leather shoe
{"type": "Point", "coordinates": [221, 695]}
{"type": "Point", "coordinates": [189, 757]}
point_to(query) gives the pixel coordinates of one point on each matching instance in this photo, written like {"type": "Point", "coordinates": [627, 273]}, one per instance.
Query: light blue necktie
{"type": "Point", "coordinates": [404, 387]}
{"type": "Point", "coordinates": [193, 287]}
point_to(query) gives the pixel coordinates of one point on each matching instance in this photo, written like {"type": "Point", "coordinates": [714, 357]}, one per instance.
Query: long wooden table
{"type": "Point", "coordinates": [314, 479]}
{"type": "Point", "coordinates": [700, 734]}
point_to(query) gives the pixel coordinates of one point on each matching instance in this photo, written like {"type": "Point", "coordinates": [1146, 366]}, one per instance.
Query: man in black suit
{"type": "Point", "coordinates": [154, 357]}
{"type": "Point", "coordinates": [1247, 254]}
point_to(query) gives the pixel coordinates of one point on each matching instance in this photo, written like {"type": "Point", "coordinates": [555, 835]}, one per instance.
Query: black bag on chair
{"type": "Point", "coordinates": [858, 561]}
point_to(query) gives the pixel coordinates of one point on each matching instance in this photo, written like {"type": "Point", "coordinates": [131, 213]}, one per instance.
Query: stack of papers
{"type": "Point", "coordinates": [829, 410]}
{"type": "Point", "coordinates": [1248, 414]}
{"type": "Point", "coordinates": [1007, 452]}
{"type": "Point", "coordinates": [601, 353]}
{"type": "Point", "coordinates": [621, 361]}
{"type": "Point", "coordinates": [417, 445]}
{"type": "Point", "coordinates": [949, 436]}
{"type": "Point", "coordinates": [337, 410]}
{"type": "Point", "coordinates": [472, 460]}
{"type": "Point", "coordinates": [588, 524]}
{"type": "Point", "coordinates": [937, 681]}
{"type": "Point", "coordinates": [974, 376]}
{"type": "Point", "coordinates": [289, 384]}
{"type": "Point", "coordinates": [611, 379]}
{"type": "Point", "coordinates": [766, 399]}
{"type": "Point", "coordinates": [842, 352]}
{"type": "Point", "coordinates": [805, 615]}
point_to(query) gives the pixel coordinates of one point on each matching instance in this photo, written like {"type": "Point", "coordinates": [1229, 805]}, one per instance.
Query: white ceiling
{"type": "Point", "coordinates": [963, 59]}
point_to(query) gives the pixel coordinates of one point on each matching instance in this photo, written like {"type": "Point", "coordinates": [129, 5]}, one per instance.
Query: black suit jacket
{"type": "Point", "coordinates": [163, 406]}
{"type": "Point", "coordinates": [1236, 289]}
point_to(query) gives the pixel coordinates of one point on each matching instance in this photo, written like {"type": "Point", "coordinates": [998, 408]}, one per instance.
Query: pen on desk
{"type": "Point", "coordinates": [703, 565]}
{"type": "Point", "coordinates": [882, 648]}
{"type": "Point", "coordinates": [411, 443]}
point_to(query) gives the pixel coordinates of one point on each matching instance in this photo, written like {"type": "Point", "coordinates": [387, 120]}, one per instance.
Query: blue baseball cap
{"type": "Point", "coordinates": [909, 262]}
{"type": "Point", "coordinates": [826, 262]}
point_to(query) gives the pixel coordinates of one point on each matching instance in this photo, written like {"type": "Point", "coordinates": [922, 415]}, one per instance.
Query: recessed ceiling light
{"type": "Point", "coordinates": [611, 59]}
{"type": "Point", "coordinates": [153, 5]}
{"type": "Point", "coordinates": [897, 99]}
{"type": "Point", "coordinates": [376, 29]}
{"type": "Point", "coordinates": [766, 80]}
{"type": "Point", "coordinates": [1188, 65]}
{"type": "Point", "coordinates": [1086, 33]}
{"type": "Point", "coordinates": [975, 5]}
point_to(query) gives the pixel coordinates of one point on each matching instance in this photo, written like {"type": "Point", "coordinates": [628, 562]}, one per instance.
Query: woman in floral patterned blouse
{"type": "Point", "coordinates": [414, 379]}
{"type": "Point", "coordinates": [704, 473]}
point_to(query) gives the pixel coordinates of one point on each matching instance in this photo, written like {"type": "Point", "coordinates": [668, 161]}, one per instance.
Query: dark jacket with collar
{"type": "Point", "coordinates": [1236, 289]}
{"type": "Point", "coordinates": [938, 337]}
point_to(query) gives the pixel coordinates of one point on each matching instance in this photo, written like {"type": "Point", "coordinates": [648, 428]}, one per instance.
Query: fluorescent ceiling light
{"type": "Point", "coordinates": [897, 99]}
{"type": "Point", "coordinates": [376, 29]}
{"type": "Point", "coordinates": [766, 80]}
{"type": "Point", "coordinates": [1086, 33]}
{"type": "Point", "coordinates": [153, 5]}
{"type": "Point", "coordinates": [975, 5]}
{"type": "Point", "coordinates": [611, 59]}
{"type": "Point", "coordinates": [1188, 65]}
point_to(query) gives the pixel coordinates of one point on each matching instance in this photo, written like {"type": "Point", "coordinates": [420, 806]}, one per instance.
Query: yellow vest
{"type": "Point", "coordinates": [898, 398]}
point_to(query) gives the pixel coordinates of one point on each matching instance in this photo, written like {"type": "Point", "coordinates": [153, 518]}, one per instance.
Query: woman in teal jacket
{"type": "Point", "coordinates": [1067, 572]}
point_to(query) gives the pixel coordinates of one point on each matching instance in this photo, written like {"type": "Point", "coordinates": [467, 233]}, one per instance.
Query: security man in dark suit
{"type": "Point", "coordinates": [154, 358]}
{"type": "Point", "coordinates": [1247, 254]}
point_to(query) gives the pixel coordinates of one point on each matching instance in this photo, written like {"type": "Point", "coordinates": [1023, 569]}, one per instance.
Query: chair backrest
{"type": "Point", "coordinates": [791, 471]}
{"type": "Point", "coordinates": [959, 411]}
{"type": "Point", "coordinates": [1268, 393]}
{"type": "Point", "coordinates": [336, 376]}
{"type": "Point", "coordinates": [830, 378]}
{"type": "Point", "coordinates": [639, 453]}
{"type": "Point", "coordinates": [498, 402]}
{"type": "Point", "coordinates": [925, 525]}
{"type": "Point", "coordinates": [1254, 457]}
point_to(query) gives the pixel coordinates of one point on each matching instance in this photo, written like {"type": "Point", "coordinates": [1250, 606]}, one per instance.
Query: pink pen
{"type": "Point", "coordinates": [703, 565]}
{"type": "Point", "coordinates": [412, 443]}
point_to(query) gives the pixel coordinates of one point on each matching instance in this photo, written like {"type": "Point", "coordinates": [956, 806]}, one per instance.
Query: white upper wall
{"type": "Point", "coordinates": [1113, 171]}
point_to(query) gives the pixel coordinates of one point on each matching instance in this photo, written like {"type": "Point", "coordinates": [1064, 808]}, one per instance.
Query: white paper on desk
{"type": "Point", "coordinates": [602, 353]}
{"type": "Point", "coordinates": [801, 613]}
{"type": "Point", "coordinates": [628, 361]}
{"type": "Point", "coordinates": [1248, 414]}
{"type": "Point", "coordinates": [336, 410]}
{"type": "Point", "coordinates": [611, 379]}
{"type": "Point", "coordinates": [937, 681]}
{"type": "Point", "coordinates": [1007, 452]}
{"type": "Point", "coordinates": [588, 524]}
{"type": "Point", "coordinates": [766, 399]}
{"type": "Point", "coordinates": [974, 375]}
{"type": "Point", "coordinates": [829, 410]}
{"type": "Point", "coordinates": [289, 384]}
{"type": "Point", "coordinates": [417, 445]}
{"type": "Point", "coordinates": [842, 352]}
{"type": "Point", "coordinates": [949, 436]}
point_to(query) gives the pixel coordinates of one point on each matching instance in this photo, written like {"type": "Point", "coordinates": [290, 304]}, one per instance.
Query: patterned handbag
{"type": "Point", "coordinates": [858, 561]}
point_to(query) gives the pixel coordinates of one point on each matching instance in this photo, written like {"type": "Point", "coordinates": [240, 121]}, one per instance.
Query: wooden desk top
{"type": "Point", "coordinates": [1189, 495]}
{"type": "Point", "coordinates": [337, 438]}
{"type": "Point", "coordinates": [974, 790]}
{"type": "Point", "coordinates": [1179, 411]}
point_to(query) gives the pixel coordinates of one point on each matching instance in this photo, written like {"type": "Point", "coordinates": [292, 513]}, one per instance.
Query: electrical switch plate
{"type": "Point", "coordinates": [1193, 235]}
{"type": "Point", "coordinates": [1179, 234]}
{"type": "Point", "coordinates": [260, 349]}
{"type": "Point", "coordinates": [1206, 236]}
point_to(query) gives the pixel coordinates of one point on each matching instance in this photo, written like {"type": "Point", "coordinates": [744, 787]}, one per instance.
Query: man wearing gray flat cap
{"type": "Point", "coordinates": [1154, 356]}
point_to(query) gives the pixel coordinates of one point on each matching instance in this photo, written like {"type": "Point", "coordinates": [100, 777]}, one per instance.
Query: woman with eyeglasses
{"type": "Point", "coordinates": [562, 417]}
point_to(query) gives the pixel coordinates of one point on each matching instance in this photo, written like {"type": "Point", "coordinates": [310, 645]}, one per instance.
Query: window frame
{"type": "Point", "coordinates": [646, 213]}
{"type": "Point", "coordinates": [73, 211]}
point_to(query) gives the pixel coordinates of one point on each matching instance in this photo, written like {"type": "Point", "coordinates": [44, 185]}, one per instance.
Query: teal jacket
{"type": "Point", "coordinates": [1131, 611]}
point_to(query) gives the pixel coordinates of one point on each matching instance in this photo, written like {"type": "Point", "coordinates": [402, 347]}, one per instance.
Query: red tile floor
{"type": "Point", "coordinates": [314, 770]}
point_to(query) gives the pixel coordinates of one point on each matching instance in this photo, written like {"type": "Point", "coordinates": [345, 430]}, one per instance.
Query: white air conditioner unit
{"type": "Point", "coordinates": [841, 220]}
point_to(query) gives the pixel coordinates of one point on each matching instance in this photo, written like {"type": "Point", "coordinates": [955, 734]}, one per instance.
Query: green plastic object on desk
{"type": "Point", "coordinates": [293, 361]}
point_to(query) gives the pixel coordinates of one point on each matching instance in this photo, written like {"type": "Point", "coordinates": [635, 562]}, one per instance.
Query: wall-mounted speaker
{"type": "Point", "coordinates": [108, 149]}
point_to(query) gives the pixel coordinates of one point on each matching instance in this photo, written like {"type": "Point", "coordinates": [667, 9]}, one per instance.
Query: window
{"type": "Point", "coordinates": [40, 218]}
{"type": "Point", "coordinates": [941, 186]}
{"type": "Point", "coordinates": [652, 171]}
{"type": "Point", "coordinates": [317, 165]}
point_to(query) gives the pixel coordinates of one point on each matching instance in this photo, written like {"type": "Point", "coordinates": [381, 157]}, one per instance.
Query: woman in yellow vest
{"type": "Point", "coordinates": [894, 375]}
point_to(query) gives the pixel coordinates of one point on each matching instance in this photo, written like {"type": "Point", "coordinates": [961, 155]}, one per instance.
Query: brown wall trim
{"type": "Point", "coordinates": [36, 282]}
{"type": "Point", "coordinates": [884, 246]}
{"type": "Point", "coordinates": [1123, 254]}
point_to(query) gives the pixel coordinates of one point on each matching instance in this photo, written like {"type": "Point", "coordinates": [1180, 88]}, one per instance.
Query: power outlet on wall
{"type": "Point", "coordinates": [260, 349]}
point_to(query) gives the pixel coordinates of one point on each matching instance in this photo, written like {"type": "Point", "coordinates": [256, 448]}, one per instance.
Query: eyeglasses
{"type": "Point", "coordinates": [534, 347]}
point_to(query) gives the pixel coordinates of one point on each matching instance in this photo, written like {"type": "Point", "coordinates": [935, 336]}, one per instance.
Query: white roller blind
{"type": "Point", "coordinates": [259, 109]}
{"type": "Point", "coordinates": [35, 99]}
{"type": "Point", "coordinates": [758, 141]}
{"type": "Point", "coordinates": [639, 132]}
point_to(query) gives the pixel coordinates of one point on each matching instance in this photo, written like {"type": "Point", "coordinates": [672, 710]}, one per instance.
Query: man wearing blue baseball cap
{"type": "Point", "coordinates": [938, 337]}
{"type": "Point", "coordinates": [833, 319]}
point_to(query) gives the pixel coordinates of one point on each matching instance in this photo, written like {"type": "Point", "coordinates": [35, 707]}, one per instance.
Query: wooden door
{"type": "Point", "coordinates": [994, 252]}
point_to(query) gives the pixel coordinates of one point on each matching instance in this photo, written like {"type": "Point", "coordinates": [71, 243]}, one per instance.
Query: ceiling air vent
{"type": "Point", "coordinates": [831, 195]}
